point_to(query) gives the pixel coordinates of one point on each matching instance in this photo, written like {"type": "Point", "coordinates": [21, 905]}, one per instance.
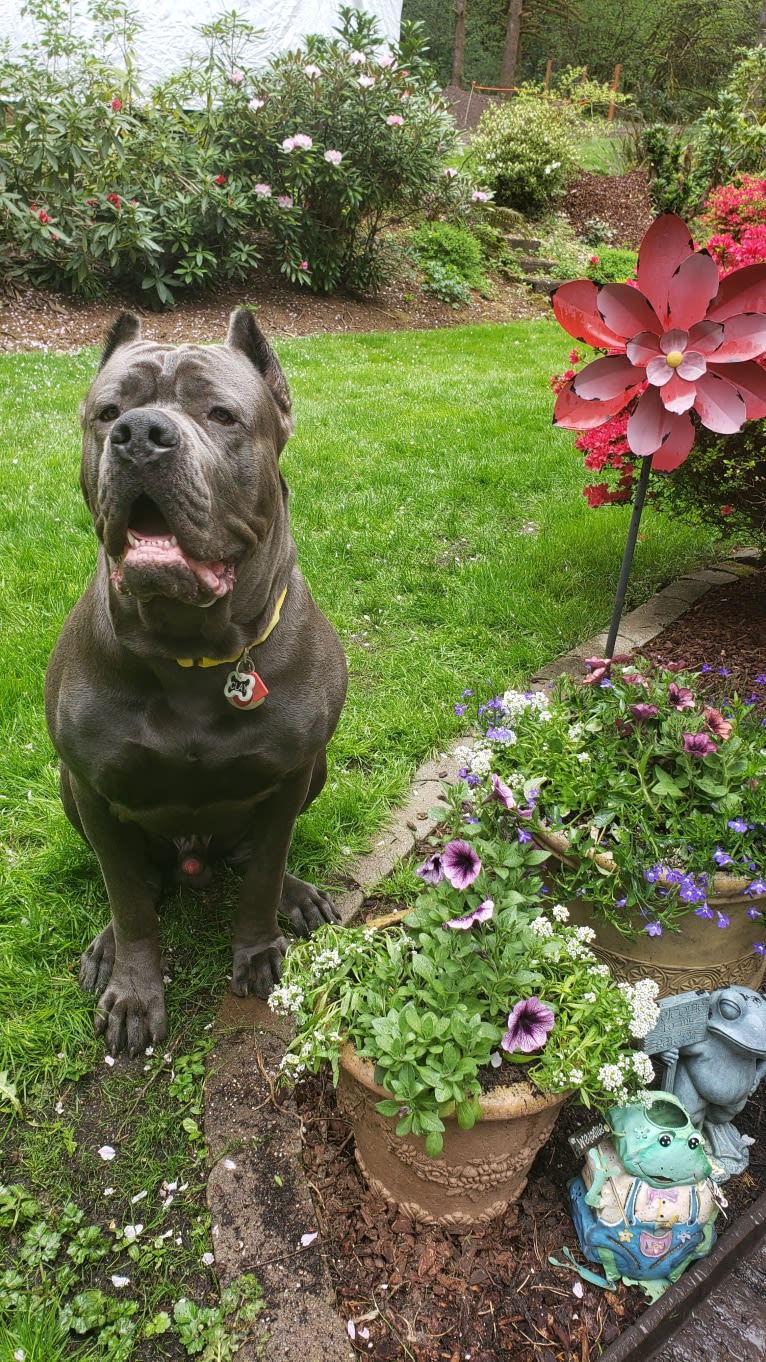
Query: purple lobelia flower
{"type": "Point", "coordinates": [431, 871]}
{"type": "Point", "coordinates": [721, 920]}
{"type": "Point", "coordinates": [460, 864]}
{"type": "Point", "coordinates": [680, 697]}
{"type": "Point", "coordinates": [653, 929]}
{"type": "Point", "coordinates": [483, 913]}
{"type": "Point", "coordinates": [529, 1025]}
{"type": "Point", "coordinates": [698, 744]}
{"type": "Point", "coordinates": [722, 857]}
{"type": "Point", "coordinates": [501, 793]}
{"type": "Point", "coordinates": [739, 825]}
{"type": "Point", "coordinates": [757, 887]}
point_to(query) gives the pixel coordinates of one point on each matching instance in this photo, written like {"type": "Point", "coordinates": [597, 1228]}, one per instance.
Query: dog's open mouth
{"type": "Point", "coordinates": [153, 562]}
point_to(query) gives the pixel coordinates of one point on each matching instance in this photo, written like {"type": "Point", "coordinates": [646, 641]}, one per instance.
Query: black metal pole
{"type": "Point", "coordinates": [627, 557]}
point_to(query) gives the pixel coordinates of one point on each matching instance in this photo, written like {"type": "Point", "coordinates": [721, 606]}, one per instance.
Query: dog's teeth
{"type": "Point", "coordinates": [132, 539]}
{"type": "Point", "coordinates": [173, 541]}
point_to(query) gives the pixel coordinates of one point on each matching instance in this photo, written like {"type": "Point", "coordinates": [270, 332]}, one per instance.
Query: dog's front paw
{"type": "Point", "coordinates": [256, 969]}
{"type": "Point", "coordinates": [306, 906]}
{"type": "Point", "coordinates": [97, 962]}
{"type": "Point", "coordinates": [131, 1014]}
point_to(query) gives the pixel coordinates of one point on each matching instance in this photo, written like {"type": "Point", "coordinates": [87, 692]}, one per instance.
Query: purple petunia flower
{"type": "Point", "coordinates": [431, 871]}
{"type": "Point", "coordinates": [698, 744]}
{"type": "Point", "coordinates": [529, 1025]}
{"type": "Point", "coordinates": [653, 929]}
{"type": "Point", "coordinates": [483, 913]}
{"type": "Point", "coordinates": [680, 697]}
{"type": "Point", "coordinates": [501, 793]}
{"type": "Point", "coordinates": [642, 712]}
{"type": "Point", "coordinates": [460, 864]}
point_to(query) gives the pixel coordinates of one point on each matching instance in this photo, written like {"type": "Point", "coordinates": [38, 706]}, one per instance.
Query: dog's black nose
{"type": "Point", "coordinates": [143, 435]}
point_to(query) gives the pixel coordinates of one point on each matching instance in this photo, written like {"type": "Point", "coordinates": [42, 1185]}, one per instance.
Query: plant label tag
{"type": "Point", "coordinates": [245, 689]}
{"type": "Point", "coordinates": [587, 1136]}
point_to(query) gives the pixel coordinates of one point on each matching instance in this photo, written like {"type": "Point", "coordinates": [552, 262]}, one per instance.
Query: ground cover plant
{"type": "Point", "coordinates": [441, 529]}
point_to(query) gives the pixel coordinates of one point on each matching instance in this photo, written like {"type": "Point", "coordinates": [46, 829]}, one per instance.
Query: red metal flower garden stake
{"type": "Point", "coordinates": [680, 340]}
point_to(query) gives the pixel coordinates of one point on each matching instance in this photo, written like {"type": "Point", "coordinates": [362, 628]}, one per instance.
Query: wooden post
{"type": "Point", "coordinates": [614, 86]}
{"type": "Point", "coordinates": [549, 67]}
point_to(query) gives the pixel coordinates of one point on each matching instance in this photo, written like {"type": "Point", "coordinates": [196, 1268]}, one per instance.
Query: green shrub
{"type": "Point", "coordinates": [723, 482]}
{"type": "Point", "coordinates": [525, 151]}
{"type": "Point", "coordinates": [612, 265]}
{"type": "Point", "coordinates": [306, 158]}
{"type": "Point", "coordinates": [452, 260]}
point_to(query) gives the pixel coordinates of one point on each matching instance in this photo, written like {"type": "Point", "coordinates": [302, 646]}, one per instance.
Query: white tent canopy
{"type": "Point", "coordinates": [168, 36]}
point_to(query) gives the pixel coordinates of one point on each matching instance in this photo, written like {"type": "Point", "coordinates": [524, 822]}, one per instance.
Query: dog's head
{"type": "Point", "coordinates": [180, 459]}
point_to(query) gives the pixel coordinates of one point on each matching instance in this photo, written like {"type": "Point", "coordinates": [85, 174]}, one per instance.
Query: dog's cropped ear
{"type": "Point", "coordinates": [245, 335]}
{"type": "Point", "coordinates": [125, 329]}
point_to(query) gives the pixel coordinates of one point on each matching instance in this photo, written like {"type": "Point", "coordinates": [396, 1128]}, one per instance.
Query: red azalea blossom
{"type": "Point", "coordinates": [116, 105]}
{"type": "Point", "coordinates": [219, 179]}
{"type": "Point", "coordinates": [680, 339]}
{"type": "Point", "coordinates": [115, 200]}
{"type": "Point", "coordinates": [43, 217]}
{"type": "Point", "coordinates": [726, 510]}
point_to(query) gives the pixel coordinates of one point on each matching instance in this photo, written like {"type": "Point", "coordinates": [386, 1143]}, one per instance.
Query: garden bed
{"type": "Point", "coordinates": [428, 1295]}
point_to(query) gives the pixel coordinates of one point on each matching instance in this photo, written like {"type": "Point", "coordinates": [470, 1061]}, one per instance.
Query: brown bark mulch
{"type": "Point", "coordinates": [621, 201]}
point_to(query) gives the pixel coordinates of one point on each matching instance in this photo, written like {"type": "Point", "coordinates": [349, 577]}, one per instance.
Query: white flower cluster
{"type": "Point", "coordinates": [516, 702]}
{"type": "Point", "coordinates": [641, 997]}
{"type": "Point", "coordinates": [560, 912]}
{"type": "Point", "coordinates": [286, 998]}
{"type": "Point", "coordinates": [612, 1078]}
{"type": "Point", "coordinates": [541, 926]}
{"type": "Point", "coordinates": [642, 1066]}
{"type": "Point", "coordinates": [477, 760]}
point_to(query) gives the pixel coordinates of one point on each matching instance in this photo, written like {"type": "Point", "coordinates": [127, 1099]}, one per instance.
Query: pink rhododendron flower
{"type": "Point", "coordinates": [235, 75]}
{"type": "Point", "coordinates": [366, 82]}
{"type": "Point", "coordinates": [449, 172]}
{"type": "Point", "coordinates": [219, 179]}
{"type": "Point", "coordinates": [303, 265]}
{"type": "Point", "coordinates": [480, 196]}
{"type": "Point", "coordinates": [356, 57]}
{"type": "Point", "coordinates": [334, 157]}
{"type": "Point", "coordinates": [263, 191]}
{"type": "Point", "coordinates": [386, 60]}
{"type": "Point", "coordinates": [395, 120]}
{"type": "Point", "coordinates": [255, 104]}
{"type": "Point", "coordinates": [285, 201]}
{"type": "Point", "coordinates": [115, 200]}
{"type": "Point", "coordinates": [529, 1025]}
{"type": "Point", "coordinates": [312, 71]}
{"type": "Point", "coordinates": [681, 339]}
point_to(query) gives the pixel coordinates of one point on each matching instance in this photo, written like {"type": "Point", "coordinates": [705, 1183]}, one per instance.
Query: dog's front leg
{"type": "Point", "coordinates": [131, 1008]}
{"type": "Point", "coordinates": [259, 946]}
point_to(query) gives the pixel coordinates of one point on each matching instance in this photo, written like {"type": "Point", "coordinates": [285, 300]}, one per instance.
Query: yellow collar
{"type": "Point", "coordinates": [219, 661]}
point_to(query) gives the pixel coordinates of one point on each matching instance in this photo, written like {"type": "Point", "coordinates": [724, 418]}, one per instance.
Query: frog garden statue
{"type": "Point", "coordinates": [714, 1075]}
{"type": "Point", "coordinates": [645, 1204]}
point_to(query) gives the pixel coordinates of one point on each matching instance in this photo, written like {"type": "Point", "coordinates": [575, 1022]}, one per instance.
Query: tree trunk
{"type": "Point", "coordinates": [458, 51]}
{"type": "Point", "coordinates": [511, 49]}
{"type": "Point", "coordinates": [761, 35]}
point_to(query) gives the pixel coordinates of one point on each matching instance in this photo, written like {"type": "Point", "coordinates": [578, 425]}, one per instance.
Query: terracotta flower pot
{"type": "Point", "coordinates": [480, 1172]}
{"type": "Point", "coordinates": [700, 955]}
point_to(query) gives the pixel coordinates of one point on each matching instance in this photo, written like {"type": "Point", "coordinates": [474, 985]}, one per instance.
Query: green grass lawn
{"type": "Point", "coordinates": [440, 525]}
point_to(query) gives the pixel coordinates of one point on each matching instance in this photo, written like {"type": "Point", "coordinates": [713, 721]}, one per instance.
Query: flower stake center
{"type": "Point", "coordinates": [675, 358]}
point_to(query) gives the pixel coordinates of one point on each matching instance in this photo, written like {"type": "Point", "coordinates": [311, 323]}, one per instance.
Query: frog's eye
{"type": "Point", "coordinates": [666, 1141]}
{"type": "Point", "coordinates": [694, 1141]}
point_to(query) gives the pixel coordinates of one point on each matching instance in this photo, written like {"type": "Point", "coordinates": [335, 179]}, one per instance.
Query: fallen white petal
{"type": "Point", "coordinates": [364, 1333]}
{"type": "Point", "coordinates": [59, 1108]}
{"type": "Point", "coordinates": [208, 1259]}
{"type": "Point", "coordinates": [578, 1290]}
{"type": "Point", "coordinates": [307, 1239]}
{"type": "Point", "coordinates": [109, 1059]}
{"type": "Point", "coordinates": [108, 1191]}
{"type": "Point", "coordinates": [106, 1152]}
{"type": "Point", "coordinates": [351, 1329]}
{"type": "Point", "coordinates": [119, 1281]}
{"type": "Point", "coordinates": [229, 1163]}
{"type": "Point", "coordinates": [132, 1232]}
{"type": "Point", "coordinates": [138, 1197]}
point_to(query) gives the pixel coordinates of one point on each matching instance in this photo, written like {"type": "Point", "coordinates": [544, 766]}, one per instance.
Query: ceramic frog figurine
{"type": "Point", "coordinates": [645, 1204]}
{"type": "Point", "coordinates": [715, 1076]}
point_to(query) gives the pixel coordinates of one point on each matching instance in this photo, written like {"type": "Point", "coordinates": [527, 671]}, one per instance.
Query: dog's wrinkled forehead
{"type": "Point", "coordinates": [242, 376]}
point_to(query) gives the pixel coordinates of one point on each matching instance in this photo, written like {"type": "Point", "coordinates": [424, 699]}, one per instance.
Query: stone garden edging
{"type": "Point", "coordinates": [259, 1201]}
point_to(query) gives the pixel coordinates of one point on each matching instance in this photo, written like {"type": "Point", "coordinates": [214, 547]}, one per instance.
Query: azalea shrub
{"type": "Point", "coordinates": [305, 159]}
{"type": "Point", "coordinates": [734, 223]}
{"type": "Point", "coordinates": [525, 151]}
{"type": "Point", "coordinates": [612, 265]}
{"type": "Point", "coordinates": [655, 789]}
{"type": "Point", "coordinates": [478, 975]}
{"type": "Point", "coordinates": [722, 483]}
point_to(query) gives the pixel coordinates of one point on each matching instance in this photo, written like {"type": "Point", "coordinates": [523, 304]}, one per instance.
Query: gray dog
{"type": "Point", "coordinates": [195, 684]}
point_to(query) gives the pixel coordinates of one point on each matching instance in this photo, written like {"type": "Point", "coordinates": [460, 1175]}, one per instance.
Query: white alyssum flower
{"type": "Point", "coordinates": [560, 912]}
{"type": "Point", "coordinates": [642, 1066]}
{"type": "Point", "coordinates": [541, 926]}
{"type": "Point", "coordinates": [583, 756]}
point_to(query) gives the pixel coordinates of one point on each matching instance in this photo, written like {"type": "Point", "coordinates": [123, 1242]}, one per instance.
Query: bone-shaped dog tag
{"type": "Point", "coordinates": [244, 688]}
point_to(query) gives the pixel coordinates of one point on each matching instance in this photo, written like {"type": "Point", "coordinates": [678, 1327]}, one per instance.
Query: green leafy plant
{"type": "Point", "coordinates": [477, 974]}
{"type": "Point", "coordinates": [525, 151]}
{"type": "Point", "coordinates": [612, 265]}
{"type": "Point", "coordinates": [452, 260]}
{"type": "Point", "coordinates": [722, 483]}
{"type": "Point", "coordinates": [654, 789]}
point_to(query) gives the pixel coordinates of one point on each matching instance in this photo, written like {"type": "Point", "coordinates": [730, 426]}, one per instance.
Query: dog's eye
{"type": "Point", "coordinates": [109, 413]}
{"type": "Point", "coordinates": [221, 416]}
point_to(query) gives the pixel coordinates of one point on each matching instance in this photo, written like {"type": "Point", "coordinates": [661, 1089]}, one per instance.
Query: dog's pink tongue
{"type": "Point", "coordinates": [163, 552]}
